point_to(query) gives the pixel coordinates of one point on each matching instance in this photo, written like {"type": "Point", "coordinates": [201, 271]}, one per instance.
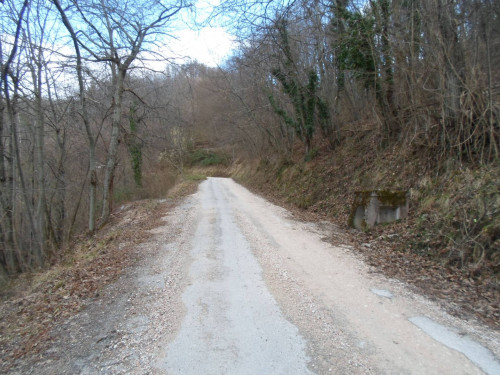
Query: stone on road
{"type": "Point", "coordinates": [233, 324]}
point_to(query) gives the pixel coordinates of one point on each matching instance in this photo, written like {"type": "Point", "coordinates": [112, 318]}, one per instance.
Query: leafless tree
{"type": "Point", "coordinates": [12, 261]}
{"type": "Point", "coordinates": [115, 33]}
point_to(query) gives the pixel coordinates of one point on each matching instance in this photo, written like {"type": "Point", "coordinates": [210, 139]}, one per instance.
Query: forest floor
{"type": "Point", "coordinates": [32, 305]}
{"type": "Point", "coordinates": [451, 287]}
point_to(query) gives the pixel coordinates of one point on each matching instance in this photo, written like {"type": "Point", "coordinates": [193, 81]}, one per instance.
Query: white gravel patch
{"type": "Point", "coordinates": [233, 324]}
{"type": "Point", "coordinates": [477, 353]}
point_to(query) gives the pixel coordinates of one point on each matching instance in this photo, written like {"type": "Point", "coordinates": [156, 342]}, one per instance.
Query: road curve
{"type": "Point", "coordinates": [267, 295]}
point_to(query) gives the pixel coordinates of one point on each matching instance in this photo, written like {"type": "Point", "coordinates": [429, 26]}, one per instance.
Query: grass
{"type": "Point", "coordinates": [195, 177]}
{"type": "Point", "coordinates": [207, 158]}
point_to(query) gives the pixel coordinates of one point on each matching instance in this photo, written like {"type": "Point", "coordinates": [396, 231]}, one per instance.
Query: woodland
{"type": "Point", "coordinates": [316, 91]}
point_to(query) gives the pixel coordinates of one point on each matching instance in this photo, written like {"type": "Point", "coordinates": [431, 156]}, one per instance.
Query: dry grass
{"type": "Point", "coordinates": [454, 223]}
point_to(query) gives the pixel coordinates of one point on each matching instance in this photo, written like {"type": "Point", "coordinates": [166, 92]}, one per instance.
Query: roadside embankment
{"type": "Point", "coordinates": [449, 247]}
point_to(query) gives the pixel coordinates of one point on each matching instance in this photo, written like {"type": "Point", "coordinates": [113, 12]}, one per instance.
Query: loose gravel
{"type": "Point", "coordinates": [317, 299]}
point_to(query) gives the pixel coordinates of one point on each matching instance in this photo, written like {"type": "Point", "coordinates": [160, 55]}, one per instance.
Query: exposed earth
{"type": "Point", "coordinates": [232, 284]}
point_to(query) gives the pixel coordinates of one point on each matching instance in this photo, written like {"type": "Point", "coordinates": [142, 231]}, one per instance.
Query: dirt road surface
{"type": "Point", "coordinates": [232, 284]}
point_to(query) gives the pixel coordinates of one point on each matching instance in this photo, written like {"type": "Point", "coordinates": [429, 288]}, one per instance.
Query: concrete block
{"type": "Point", "coordinates": [374, 207]}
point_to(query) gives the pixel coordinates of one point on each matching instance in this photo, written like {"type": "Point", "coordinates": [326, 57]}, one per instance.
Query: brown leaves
{"type": "Point", "coordinates": [43, 300]}
{"type": "Point", "coordinates": [452, 287]}
{"type": "Point", "coordinates": [435, 249]}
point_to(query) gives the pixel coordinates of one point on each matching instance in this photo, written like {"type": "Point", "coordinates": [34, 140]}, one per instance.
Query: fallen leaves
{"type": "Point", "coordinates": [40, 301]}
{"type": "Point", "coordinates": [453, 288]}
{"type": "Point", "coordinates": [401, 250]}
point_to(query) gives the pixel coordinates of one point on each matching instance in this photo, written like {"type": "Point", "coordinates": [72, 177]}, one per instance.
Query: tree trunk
{"type": "Point", "coordinates": [387, 56]}
{"type": "Point", "coordinates": [7, 258]}
{"type": "Point", "coordinates": [7, 174]}
{"type": "Point", "coordinates": [109, 175]}
{"type": "Point", "coordinates": [453, 61]}
{"type": "Point", "coordinates": [40, 213]}
{"type": "Point", "coordinates": [60, 209]}
{"type": "Point", "coordinates": [13, 117]}
{"type": "Point", "coordinates": [56, 226]}
{"type": "Point", "coordinates": [39, 159]}
{"type": "Point", "coordinates": [93, 185]}
{"type": "Point", "coordinates": [307, 142]}
{"type": "Point", "coordinates": [10, 205]}
{"type": "Point", "coordinates": [83, 104]}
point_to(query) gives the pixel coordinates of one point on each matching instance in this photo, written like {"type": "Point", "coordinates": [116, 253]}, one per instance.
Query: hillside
{"type": "Point", "coordinates": [318, 190]}
{"type": "Point", "coordinates": [104, 125]}
{"type": "Point", "coordinates": [449, 247]}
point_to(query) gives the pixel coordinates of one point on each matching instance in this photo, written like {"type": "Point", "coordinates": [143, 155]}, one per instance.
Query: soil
{"type": "Point", "coordinates": [50, 315]}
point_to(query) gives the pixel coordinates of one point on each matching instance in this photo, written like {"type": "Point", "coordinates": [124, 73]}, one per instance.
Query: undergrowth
{"type": "Point", "coordinates": [454, 210]}
{"type": "Point", "coordinates": [458, 219]}
{"type": "Point", "coordinates": [206, 158]}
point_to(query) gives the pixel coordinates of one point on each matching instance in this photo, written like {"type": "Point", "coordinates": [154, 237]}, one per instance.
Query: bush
{"type": "Point", "coordinates": [460, 219]}
{"type": "Point", "coordinates": [207, 158]}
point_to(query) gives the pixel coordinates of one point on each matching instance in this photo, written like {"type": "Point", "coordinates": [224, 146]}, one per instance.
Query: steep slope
{"type": "Point", "coordinates": [450, 244]}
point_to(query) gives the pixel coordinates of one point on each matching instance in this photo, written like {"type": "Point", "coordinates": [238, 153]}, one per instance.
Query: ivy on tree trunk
{"type": "Point", "coordinates": [308, 108]}
{"type": "Point", "coordinates": [135, 146]}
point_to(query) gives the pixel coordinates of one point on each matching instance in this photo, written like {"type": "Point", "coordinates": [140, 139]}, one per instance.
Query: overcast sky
{"type": "Point", "coordinates": [195, 40]}
{"type": "Point", "coordinates": [210, 45]}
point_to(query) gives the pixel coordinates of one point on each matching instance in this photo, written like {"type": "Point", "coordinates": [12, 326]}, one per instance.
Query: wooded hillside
{"type": "Point", "coordinates": [371, 94]}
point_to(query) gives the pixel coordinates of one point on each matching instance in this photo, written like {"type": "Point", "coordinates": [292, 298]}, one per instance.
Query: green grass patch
{"type": "Point", "coordinates": [206, 158]}
{"type": "Point", "coordinates": [195, 177]}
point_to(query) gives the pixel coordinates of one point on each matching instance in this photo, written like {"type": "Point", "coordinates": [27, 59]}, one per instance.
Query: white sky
{"type": "Point", "coordinates": [210, 45]}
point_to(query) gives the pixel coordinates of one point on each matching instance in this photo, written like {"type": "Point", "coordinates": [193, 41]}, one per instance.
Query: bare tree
{"type": "Point", "coordinates": [116, 33]}
{"type": "Point", "coordinates": [36, 28]}
{"type": "Point", "coordinates": [91, 138]}
{"type": "Point", "coordinates": [12, 261]}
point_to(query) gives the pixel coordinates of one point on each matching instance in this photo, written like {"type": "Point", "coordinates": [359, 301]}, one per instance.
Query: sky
{"type": "Point", "coordinates": [192, 39]}
{"type": "Point", "coordinates": [195, 40]}
{"type": "Point", "coordinates": [210, 45]}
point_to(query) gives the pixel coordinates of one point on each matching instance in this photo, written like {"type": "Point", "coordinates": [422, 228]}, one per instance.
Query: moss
{"type": "Point", "coordinates": [122, 194]}
{"type": "Point", "coordinates": [303, 202]}
{"type": "Point", "coordinates": [195, 177]}
{"type": "Point", "coordinates": [207, 158]}
{"type": "Point", "coordinates": [282, 168]}
{"type": "Point", "coordinates": [58, 284]}
{"type": "Point", "coordinates": [385, 197]}
{"type": "Point", "coordinates": [392, 198]}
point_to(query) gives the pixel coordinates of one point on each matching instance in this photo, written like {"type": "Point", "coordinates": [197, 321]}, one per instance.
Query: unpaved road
{"type": "Point", "coordinates": [233, 285]}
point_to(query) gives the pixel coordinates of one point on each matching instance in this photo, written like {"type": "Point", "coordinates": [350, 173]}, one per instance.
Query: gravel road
{"type": "Point", "coordinates": [232, 284]}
